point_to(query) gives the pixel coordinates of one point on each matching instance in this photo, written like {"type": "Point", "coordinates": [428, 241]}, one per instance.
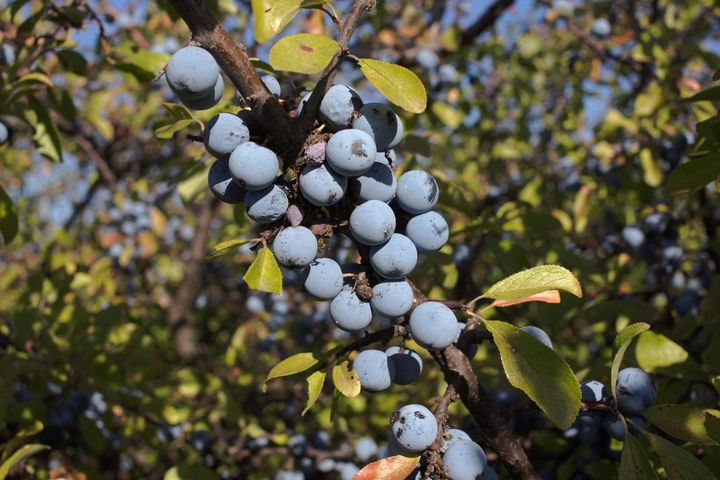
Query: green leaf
{"type": "Point", "coordinates": [293, 364]}
{"type": "Point", "coordinates": [223, 247]}
{"type": "Point", "coordinates": [678, 463]}
{"type": "Point", "coordinates": [190, 472]}
{"type": "Point", "coordinates": [62, 103]}
{"type": "Point", "coordinates": [398, 84]}
{"type": "Point", "coordinates": [73, 61]}
{"type": "Point", "coordinates": [535, 280]}
{"type": "Point", "coordinates": [346, 380]}
{"type": "Point", "coordinates": [634, 462]}
{"type": "Point", "coordinates": [712, 94]}
{"type": "Point", "coordinates": [657, 353]}
{"type": "Point", "coordinates": [303, 53]}
{"type": "Point", "coordinates": [16, 6]}
{"type": "Point", "coordinates": [538, 371]}
{"type": "Point", "coordinates": [20, 437]}
{"type": "Point", "coordinates": [712, 424]}
{"type": "Point", "coordinates": [8, 218]}
{"type": "Point", "coordinates": [194, 184]}
{"type": "Point", "coordinates": [716, 383]}
{"type": "Point", "coordinates": [21, 454]}
{"type": "Point", "coordinates": [45, 134]}
{"type": "Point", "coordinates": [257, 63]}
{"type": "Point", "coordinates": [144, 65]}
{"type": "Point", "coordinates": [264, 274]}
{"type": "Point", "coordinates": [33, 78]}
{"type": "Point", "coordinates": [92, 436]}
{"type": "Point", "coordinates": [681, 421]}
{"type": "Point", "coordinates": [315, 382]}
{"type": "Point", "coordinates": [272, 16]}
{"type": "Point", "coordinates": [178, 111]}
{"type": "Point", "coordinates": [620, 345]}
{"type": "Point", "coordinates": [694, 174]}
{"type": "Point", "coordinates": [166, 130]}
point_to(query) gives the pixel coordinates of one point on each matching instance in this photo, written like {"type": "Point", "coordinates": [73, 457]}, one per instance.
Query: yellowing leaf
{"type": "Point", "coordinates": [303, 53]}
{"type": "Point", "coordinates": [548, 296]}
{"type": "Point", "coordinates": [222, 248]}
{"type": "Point", "coordinates": [34, 77]}
{"type": "Point", "coordinates": [679, 464]}
{"type": "Point", "coordinates": [450, 116]}
{"type": "Point", "coordinates": [315, 383]}
{"type": "Point", "coordinates": [538, 371]}
{"type": "Point", "coordinates": [535, 280]}
{"type": "Point", "coordinates": [582, 206]}
{"type": "Point", "coordinates": [21, 454]}
{"type": "Point", "coordinates": [398, 84]}
{"type": "Point", "coordinates": [45, 135]}
{"type": "Point", "coordinates": [272, 16]}
{"type": "Point", "coordinates": [655, 352]}
{"type": "Point", "coordinates": [397, 467]}
{"type": "Point", "coordinates": [293, 364]}
{"type": "Point", "coordinates": [652, 170]}
{"type": "Point", "coordinates": [681, 421]}
{"type": "Point", "coordinates": [166, 130]}
{"type": "Point", "coordinates": [346, 380]}
{"type": "Point", "coordinates": [620, 345]}
{"type": "Point", "coordinates": [194, 185]}
{"type": "Point", "coordinates": [264, 274]}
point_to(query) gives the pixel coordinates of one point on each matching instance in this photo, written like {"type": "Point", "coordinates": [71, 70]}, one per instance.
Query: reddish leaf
{"type": "Point", "coordinates": [548, 296]}
{"type": "Point", "coordinates": [321, 229]}
{"type": "Point", "coordinates": [391, 468]}
{"type": "Point", "coordinates": [294, 215]}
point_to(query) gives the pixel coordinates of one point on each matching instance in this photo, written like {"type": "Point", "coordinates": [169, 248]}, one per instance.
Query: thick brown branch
{"type": "Point", "coordinates": [232, 58]}
{"type": "Point", "coordinates": [494, 432]}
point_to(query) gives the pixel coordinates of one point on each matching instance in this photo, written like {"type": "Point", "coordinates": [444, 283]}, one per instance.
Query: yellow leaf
{"type": "Point", "coordinates": [346, 380]}
{"type": "Point", "coordinates": [303, 53]}
{"type": "Point", "coordinates": [398, 84]}
{"type": "Point", "coordinates": [272, 16]}
{"type": "Point", "coordinates": [293, 364]}
{"type": "Point", "coordinates": [652, 170]}
{"type": "Point", "coordinates": [264, 274]}
{"type": "Point", "coordinates": [222, 248]}
{"type": "Point", "coordinates": [315, 383]}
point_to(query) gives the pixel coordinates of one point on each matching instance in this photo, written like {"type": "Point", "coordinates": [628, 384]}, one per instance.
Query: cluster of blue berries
{"type": "Point", "coordinates": [414, 429]}
{"type": "Point", "coordinates": [635, 393]}
{"type": "Point", "coordinates": [357, 157]}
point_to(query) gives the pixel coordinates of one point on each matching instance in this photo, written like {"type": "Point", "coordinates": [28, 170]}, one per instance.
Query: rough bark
{"type": "Point", "coordinates": [493, 428]}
